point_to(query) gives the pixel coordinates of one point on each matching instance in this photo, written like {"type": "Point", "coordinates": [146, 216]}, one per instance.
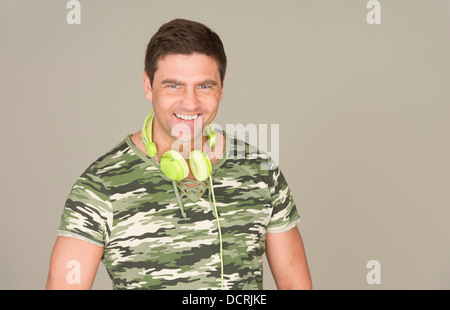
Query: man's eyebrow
{"type": "Point", "coordinates": [171, 81]}
{"type": "Point", "coordinates": [208, 82]}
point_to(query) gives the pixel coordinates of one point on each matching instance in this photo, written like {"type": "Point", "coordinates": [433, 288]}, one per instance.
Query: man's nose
{"type": "Point", "coordinates": [190, 100]}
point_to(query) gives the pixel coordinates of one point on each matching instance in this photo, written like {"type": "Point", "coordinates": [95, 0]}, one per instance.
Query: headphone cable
{"type": "Point", "coordinates": [220, 232]}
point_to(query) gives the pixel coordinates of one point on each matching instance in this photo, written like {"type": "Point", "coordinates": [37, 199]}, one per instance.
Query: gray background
{"type": "Point", "coordinates": [363, 113]}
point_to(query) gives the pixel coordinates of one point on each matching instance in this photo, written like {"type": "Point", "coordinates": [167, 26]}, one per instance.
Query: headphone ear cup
{"type": "Point", "coordinates": [151, 149]}
{"type": "Point", "coordinates": [174, 166]}
{"type": "Point", "coordinates": [200, 165]}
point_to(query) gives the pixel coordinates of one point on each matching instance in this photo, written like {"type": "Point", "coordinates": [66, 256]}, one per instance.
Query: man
{"type": "Point", "coordinates": [155, 231]}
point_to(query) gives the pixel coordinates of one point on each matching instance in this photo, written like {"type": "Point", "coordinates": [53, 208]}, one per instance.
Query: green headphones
{"type": "Point", "coordinates": [173, 164]}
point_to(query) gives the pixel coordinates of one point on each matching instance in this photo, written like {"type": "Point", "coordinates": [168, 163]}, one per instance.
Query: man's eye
{"type": "Point", "coordinates": [173, 86]}
{"type": "Point", "coordinates": [204, 86]}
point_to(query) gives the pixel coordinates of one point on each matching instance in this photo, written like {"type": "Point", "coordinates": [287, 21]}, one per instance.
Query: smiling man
{"type": "Point", "coordinates": [180, 204]}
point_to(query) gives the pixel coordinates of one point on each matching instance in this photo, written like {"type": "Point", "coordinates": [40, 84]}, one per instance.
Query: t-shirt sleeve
{"type": "Point", "coordinates": [284, 214]}
{"type": "Point", "coordinates": [86, 211]}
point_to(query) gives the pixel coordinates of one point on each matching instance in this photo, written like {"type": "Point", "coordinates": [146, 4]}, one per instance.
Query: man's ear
{"type": "Point", "coordinates": [147, 87]}
{"type": "Point", "coordinates": [221, 90]}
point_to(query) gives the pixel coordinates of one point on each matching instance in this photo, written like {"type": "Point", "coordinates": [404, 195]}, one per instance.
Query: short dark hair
{"type": "Point", "coordinates": [181, 36]}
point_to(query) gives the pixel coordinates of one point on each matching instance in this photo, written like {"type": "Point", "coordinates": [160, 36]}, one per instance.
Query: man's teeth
{"type": "Point", "coordinates": [186, 117]}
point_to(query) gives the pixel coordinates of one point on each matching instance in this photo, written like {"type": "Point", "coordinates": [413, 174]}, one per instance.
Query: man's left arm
{"type": "Point", "coordinates": [287, 259]}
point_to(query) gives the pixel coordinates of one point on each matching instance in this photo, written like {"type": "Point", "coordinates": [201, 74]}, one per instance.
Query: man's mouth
{"type": "Point", "coordinates": [186, 117]}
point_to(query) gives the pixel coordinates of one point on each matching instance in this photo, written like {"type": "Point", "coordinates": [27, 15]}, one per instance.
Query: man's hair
{"type": "Point", "coordinates": [181, 36]}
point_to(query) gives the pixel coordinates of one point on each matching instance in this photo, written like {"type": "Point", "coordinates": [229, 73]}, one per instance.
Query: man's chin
{"type": "Point", "coordinates": [184, 133]}
{"type": "Point", "coordinates": [188, 143]}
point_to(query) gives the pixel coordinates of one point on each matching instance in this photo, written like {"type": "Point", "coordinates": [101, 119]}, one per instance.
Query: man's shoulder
{"type": "Point", "coordinates": [245, 160]}
{"type": "Point", "coordinates": [116, 158]}
{"type": "Point", "coordinates": [244, 153]}
{"type": "Point", "coordinates": [241, 149]}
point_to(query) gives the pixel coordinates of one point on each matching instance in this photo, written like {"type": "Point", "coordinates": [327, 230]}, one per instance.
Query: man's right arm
{"type": "Point", "coordinates": [73, 264]}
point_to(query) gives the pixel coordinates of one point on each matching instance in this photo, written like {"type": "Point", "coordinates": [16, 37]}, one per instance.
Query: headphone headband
{"type": "Point", "coordinates": [149, 118]}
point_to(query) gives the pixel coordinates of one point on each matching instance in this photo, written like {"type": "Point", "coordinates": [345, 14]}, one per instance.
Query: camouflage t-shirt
{"type": "Point", "coordinates": [124, 203]}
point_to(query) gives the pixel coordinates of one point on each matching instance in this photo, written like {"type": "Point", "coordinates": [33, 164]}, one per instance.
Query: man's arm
{"type": "Point", "coordinates": [287, 259]}
{"type": "Point", "coordinates": [73, 264]}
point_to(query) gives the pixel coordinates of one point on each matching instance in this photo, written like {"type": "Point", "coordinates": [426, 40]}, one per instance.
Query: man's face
{"type": "Point", "coordinates": [186, 90]}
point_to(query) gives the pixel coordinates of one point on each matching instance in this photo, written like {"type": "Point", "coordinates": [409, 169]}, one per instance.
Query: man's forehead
{"type": "Point", "coordinates": [190, 61]}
